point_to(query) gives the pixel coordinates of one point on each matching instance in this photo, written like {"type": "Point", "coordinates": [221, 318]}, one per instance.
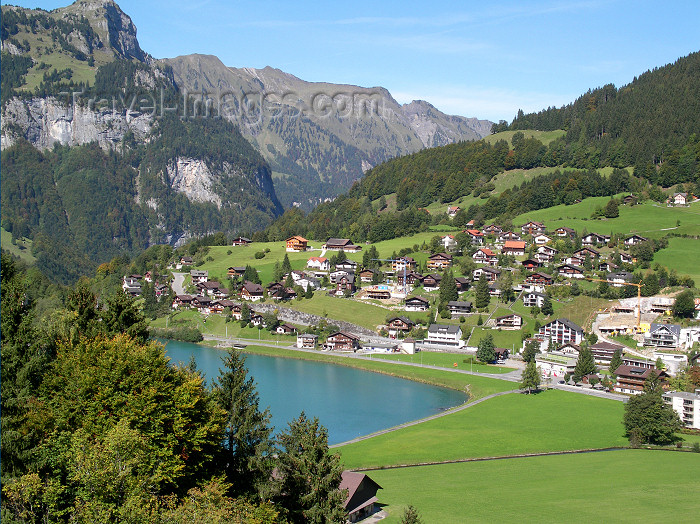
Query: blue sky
{"type": "Point", "coordinates": [467, 58]}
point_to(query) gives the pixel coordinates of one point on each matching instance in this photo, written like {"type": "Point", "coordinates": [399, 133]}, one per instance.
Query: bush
{"type": "Point", "coordinates": [259, 255]}
{"type": "Point", "coordinates": [184, 333]}
{"type": "Point", "coordinates": [696, 447]}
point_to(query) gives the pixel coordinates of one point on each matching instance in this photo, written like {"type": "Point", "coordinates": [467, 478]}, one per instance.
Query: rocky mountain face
{"type": "Point", "coordinates": [318, 137]}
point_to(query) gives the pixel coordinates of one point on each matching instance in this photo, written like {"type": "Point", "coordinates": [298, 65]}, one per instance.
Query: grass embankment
{"type": "Point", "coordinates": [682, 254]}
{"type": "Point", "coordinates": [445, 360]}
{"type": "Point", "coordinates": [577, 488]}
{"type": "Point", "coordinates": [21, 249]}
{"type": "Point", "coordinates": [512, 424]}
{"type": "Point", "coordinates": [476, 386]}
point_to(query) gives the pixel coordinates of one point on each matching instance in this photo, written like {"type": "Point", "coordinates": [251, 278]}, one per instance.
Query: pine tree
{"type": "Point", "coordinates": [530, 378]}
{"type": "Point", "coordinates": [615, 361]}
{"type": "Point", "coordinates": [286, 265]}
{"type": "Point", "coordinates": [530, 351]}
{"type": "Point", "coordinates": [247, 442]}
{"type": "Point", "coordinates": [547, 308]}
{"type": "Point", "coordinates": [482, 292]}
{"type": "Point", "coordinates": [309, 474]}
{"type": "Point", "coordinates": [448, 288]}
{"type": "Point", "coordinates": [485, 353]}
{"type": "Point", "coordinates": [410, 516]}
{"type": "Point", "coordinates": [585, 365]}
{"type": "Point", "coordinates": [251, 274]}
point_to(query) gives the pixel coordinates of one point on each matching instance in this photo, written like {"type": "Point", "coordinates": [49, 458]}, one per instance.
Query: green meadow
{"type": "Point", "coordinates": [683, 255]}
{"type": "Point", "coordinates": [21, 249]}
{"type": "Point", "coordinates": [543, 136]}
{"type": "Point", "coordinates": [614, 486]}
{"type": "Point", "coordinates": [516, 423]}
{"type": "Point", "coordinates": [446, 360]}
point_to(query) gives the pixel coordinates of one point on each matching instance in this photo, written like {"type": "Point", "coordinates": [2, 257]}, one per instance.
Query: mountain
{"type": "Point", "coordinates": [318, 137]}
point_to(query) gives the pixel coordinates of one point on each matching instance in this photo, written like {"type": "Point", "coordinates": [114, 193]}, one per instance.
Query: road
{"type": "Point", "coordinates": [513, 376]}
{"type": "Point", "coordinates": [178, 281]}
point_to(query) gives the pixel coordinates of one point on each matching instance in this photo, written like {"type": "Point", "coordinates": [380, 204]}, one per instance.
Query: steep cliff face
{"type": "Point", "coordinates": [193, 178]}
{"type": "Point", "coordinates": [47, 121]}
{"type": "Point", "coordinates": [435, 128]}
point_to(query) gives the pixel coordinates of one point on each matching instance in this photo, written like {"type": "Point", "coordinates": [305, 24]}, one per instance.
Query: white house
{"type": "Point", "coordinates": [687, 405]}
{"type": "Point", "coordinates": [319, 263]}
{"type": "Point", "coordinates": [199, 277]}
{"type": "Point", "coordinates": [634, 240]}
{"type": "Point", "coordinates": [562, 331]}
{"type": "Point", "coordinates": [554, 364]}
{"type": "Point", "coordinates": [663, 335]}
{"type": "Point", "coordinates": [444, 335]}
{"type": "Point", "coordinates": [449, 242]}
{"type": "Point", "coordinates": [533, 298]}
{"type": "Point", "coordinates": [542, 239]}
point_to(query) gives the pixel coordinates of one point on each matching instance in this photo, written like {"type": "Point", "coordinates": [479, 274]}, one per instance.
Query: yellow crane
{"type": "Point", "coordinates": [639, 295]}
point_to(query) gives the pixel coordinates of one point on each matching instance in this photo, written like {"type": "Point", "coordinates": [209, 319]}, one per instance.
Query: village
{"type": "Point", "coordinates": [525, 270]}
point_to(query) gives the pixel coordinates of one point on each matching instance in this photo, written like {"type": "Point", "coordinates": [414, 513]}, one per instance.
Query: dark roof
{"type": "Point", "coordinates": [635, 371]}
{"type": "Point", "coordinates": [420, 299]}
{"type": "Point", "coordinates": [455, 303]}
{"type": "Point", "coordinates": [673, 328]}
{"type": "Point", "coordinates": [442, 328]}
{"type": "Point", "coordinates": [338, 242]}
{"type": "Point", "coordinates": [508, 316]}
{"type": "Point", "coordinates": [346, 334]}
{"type": "Point", "coordinates": [252, 288]}
{"type": "Point", "coordinates": [403, 319]}
{"type": "Point", "coordinates": [352, 481]}
{"type": "Point", "coordinates": [568, 323]}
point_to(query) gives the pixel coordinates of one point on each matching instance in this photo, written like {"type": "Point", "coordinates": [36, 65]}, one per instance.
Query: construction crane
{"type": "Point", "coordinates": [639, 295]}
{"type": "Point", "coordinates": [405, 288]}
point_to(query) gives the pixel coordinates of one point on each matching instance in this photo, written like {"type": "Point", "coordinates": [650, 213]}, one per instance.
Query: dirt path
{"type": "Point", "coordinates": [178, 281]}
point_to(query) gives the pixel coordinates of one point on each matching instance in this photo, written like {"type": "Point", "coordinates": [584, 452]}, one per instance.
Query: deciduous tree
{"type": "Point", "coordinates": [530, 378]}
{"type": "Point", "coordinates": [648, 419]}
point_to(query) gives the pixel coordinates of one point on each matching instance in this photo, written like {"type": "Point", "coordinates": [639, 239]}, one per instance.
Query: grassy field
{"type": "Point", "coordinates": [682, 254]}
{"type": "Point", "coordinates": [475, 385]}
{"type": "Point", "coordinates": [616, 486]}
{"type": "Point", "coordinates": [21, 249]}
{"type": "Point", "coordinates": [648, 219]}
{"type": "Point", "coordinates": [446, 360]}
{"type": "Point", "coordinates": [355, 311]}
{"type": "Point", "coordinates": [517, 423]}
{"type": "Point", "coordinates": [543, 136]}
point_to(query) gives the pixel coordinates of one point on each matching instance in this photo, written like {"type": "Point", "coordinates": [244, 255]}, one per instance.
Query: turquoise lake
{"type": "Point", "coordinates": [349, 402]}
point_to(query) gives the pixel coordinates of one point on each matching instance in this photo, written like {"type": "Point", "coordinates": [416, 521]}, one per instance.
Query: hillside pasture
{"type": "Point", "coordinates": [592, 487]}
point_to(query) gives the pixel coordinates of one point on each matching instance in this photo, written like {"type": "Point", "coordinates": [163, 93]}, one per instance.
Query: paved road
{"type": "Point", "coordinates": [178, 281]}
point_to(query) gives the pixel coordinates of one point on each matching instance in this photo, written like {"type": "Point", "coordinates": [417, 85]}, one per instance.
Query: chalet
{"type": "Point", "coordinates": [476, 236]}
{"type": "Point", "coordinates": [199, 276]}
{"type": "Point", "coordinates": [277, 291]}
{"type": "Point", "coordinates": [397, 325]}
{"type": "Point", "coordinates": [367, 275]}
{"type": "Point", "coordinates": [569, 349]}
{"type": "Point", "coordinates": [236, 311]}
{"type": "Point", "coordinates": [161, 290]}
{"type": "Point", "coordinates": [258, 320]}
{"type": "Point", "coordinates": [377, 292]}
{"type": "Point", "coordinates": [629, 360]}
{"type": "Point", "coordinates": [618, 279]}
{"type": "Point", "coordinates": [587, 252]}
{"type": "Point", "coordinates": [462, 284]}
{"type": "Point", "coordinates": [470, 223]}
{"type": "Point", "coordinates": [575, 261]}
{"type": "Point", "coordinates": [416, 304]}
{"type": "Point", "coordinates": [509, 235]}
{"type": "Point", "coordinates": [626, 258]}
{"type": "Point", "coordinates": [533, 298]}
{"type": "Point", "coordinates": [251, 291]}
{"type": "Point", "coordinates": [439, 261]}
{"type": "Point", "coordinates": [235, 271]}
{"type": "Point", "coordinates": [541, 239]}
{"type": "Point", "coordinates": [452, 211]}
{"type": "Point", "coordinates": [538, 277]}
{"type": "Point", "coordinates": [182, 301]}
{"type": "Point", "coordinates": [285, 329]}
{"type": "Point", "coordinates": [341, 244]}
{"type": "Point", "coordinates": [335, 276]}
{"type": "Point", "coordinates": [603, 351]}
{"type": "Point", "coordinates": [493, 229]}
{"type": "Point", "coordinates": [362, 495]}
{"type": "Point", "coordinates": [544, 257]}
{"type": "Point", "coordinates": [514, 247]}
{"type": "Point", "coordinates": [495, 290]}
{"type": "Point", "coordinates": [306, 341]}
{"type": "Point", "coordinates": [564, 232]}
{"type": "Point", "coordinates": [308, 281]}
{"type": "Point", "coordinates": [241, 241]}
{"type": "Point", "coordinates": [630, 379]}
{"type": "Point", "coordinates": [345, 285]}
{"type": "Point", "coordinates": [186, 261]}
{"type": "Point", "coordinates": [634, 240]}
{"type": "Point", "coordinates": [678, 199]}
{"type": "Point", "coordinates": [607, 266]}
{"type": "Point", "coordinates": [592, 239]}
{"type": "Point", "coordinates": [458, 309]}
{"type": "Point", "coordinates": [347, 265]}
{"type": "Point", "coordinates": [319, 263]}
{"type": "Point", "coordinates": [490, 272]}
{"type": "Point", "coordinates": [531, 264]}
{"type": "Point", "coordinates": [341, 341]}
{"type": "Point", "coordinates": [412, 278]}
{"type": "Point", "coordinates": [485, 256]}
{"type": "Point", "coordinates": [663, 335]}
{"type": "Point", "coordinates": [131, 285]}
{"type": "Point", "coordinates": [561, 331]}
{"type": "Point", "coordinates": [403, 264]}
{"type": "Point", "coordinates": [511, 321]}
{"type": "Point", "coordinates": [629, 200]}
{"type": "Point", "coordinates": [216, 307]}
{"type": "Point", "coordinates": [444, 335]}
{"type": "Point", "coordinates": [226, 303]}
{"type": "Point", "coordinates": [203, 304]}
{"type": "Point", "coordinates": [570, 271]}
{"type": "Point", "coordinates": [432, 281]}
{"type": "Point", "coordinates": [297, 243]}
{"type": "Point", "coordinates": [532, 228]}
{"type": "Point", "coordinates": [212, 289]}
{"type": "Point", "coordinates": [148, 277]}
{"type": "Point", "coordinates": [449, 242]}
